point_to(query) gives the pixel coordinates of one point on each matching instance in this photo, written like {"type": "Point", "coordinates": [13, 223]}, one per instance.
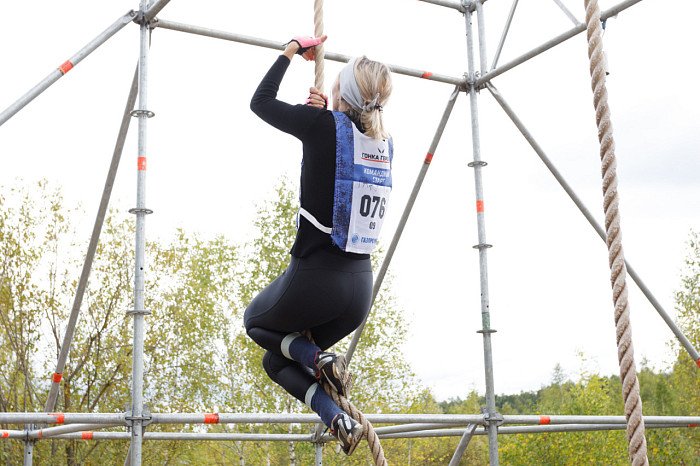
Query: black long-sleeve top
{"type": "Point", "coordinates": [315, 128]}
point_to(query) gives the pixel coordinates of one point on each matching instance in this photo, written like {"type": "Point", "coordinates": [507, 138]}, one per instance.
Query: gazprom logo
{"type": "Point", "coordinates": [355, 238]}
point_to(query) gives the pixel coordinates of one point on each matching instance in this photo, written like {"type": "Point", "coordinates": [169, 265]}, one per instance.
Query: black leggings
{"type": "Point", "coordinates": [325, 293]}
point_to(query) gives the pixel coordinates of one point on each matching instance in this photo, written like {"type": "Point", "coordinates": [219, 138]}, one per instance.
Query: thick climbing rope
{"type": "Point", "coordinates": [368, 430]}
{"type": "Point", "coordinates": [369, 433]}
{"type": "Point", "coordinates": [319, 52]}
{"type": "Point", "coordinates": [637, 444]}
{"type": "Point", "coordinates": [372, 438]}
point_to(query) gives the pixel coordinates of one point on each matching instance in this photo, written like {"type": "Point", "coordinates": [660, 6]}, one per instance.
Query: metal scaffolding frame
{"type": "Point", "coordinates": [137, 416]}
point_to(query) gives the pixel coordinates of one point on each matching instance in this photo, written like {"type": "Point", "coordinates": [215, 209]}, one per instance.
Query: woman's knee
{"type": "Point", "coordinates": [273, 364]}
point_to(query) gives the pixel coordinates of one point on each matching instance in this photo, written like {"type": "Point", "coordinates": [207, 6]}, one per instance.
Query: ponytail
{"type": "Point", "coordinates": [374, 81]}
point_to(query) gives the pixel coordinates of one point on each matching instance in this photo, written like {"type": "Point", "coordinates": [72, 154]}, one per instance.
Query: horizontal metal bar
{"type": "Point", "coordinates": [62, 418]}
{"type": "Point", "coordinates": [524, 430]}
{"type": "Point", "coordinates": [419, 420]}
{"type": "Point", "coordinates": [548, 45]}
{"type": "Point", "coordinates": [243, 39]}
{"type": "Point", "coordinates": [224, 436]}
{"type": "Point", "coordinates": [411, 428]}
{"type": "Point", "coordinates": [261, 418]}
{"type": "Point", "coordinates": [58, 73]}
{"type": "Point", "coordinates": [564, 419]}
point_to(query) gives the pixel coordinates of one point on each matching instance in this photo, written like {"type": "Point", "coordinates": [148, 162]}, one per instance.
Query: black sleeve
{"type": "Point", "coordinates": [293, 119]}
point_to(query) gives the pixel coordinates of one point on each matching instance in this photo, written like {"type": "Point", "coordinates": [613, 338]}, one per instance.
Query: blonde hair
{"type": "Point", "coordinates": [372, 78]}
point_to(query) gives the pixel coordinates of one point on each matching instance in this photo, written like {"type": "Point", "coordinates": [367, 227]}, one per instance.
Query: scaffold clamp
{"type": "Point", "coordinates": [479, 163]}
{"type": "Point", "coordinates": [145, 417]}
{"type": "Point", "coordinates": [140, 113]}
{"type": "Point", "coordinates": [137, 210]}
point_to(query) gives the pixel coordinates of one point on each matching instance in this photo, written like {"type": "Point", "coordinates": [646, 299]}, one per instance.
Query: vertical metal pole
{"type": "Point", "coordinates": [140, 250]}
{"type": "Point", "coordinates": [478, 164]}
{"type": "Point", "coordinates": [319, 453]}
{"type": "Point", "coordinates": [28, 446]}
{"type": "Point", "coordinates": [92, 247]}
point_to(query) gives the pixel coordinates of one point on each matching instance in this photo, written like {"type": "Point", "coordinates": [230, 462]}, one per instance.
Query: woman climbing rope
{"type": "Point", "coordinates": [345, 185]}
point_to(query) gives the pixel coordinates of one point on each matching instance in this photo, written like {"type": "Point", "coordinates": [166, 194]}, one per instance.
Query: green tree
{"type": "Point", "coordinates": [684, 380]}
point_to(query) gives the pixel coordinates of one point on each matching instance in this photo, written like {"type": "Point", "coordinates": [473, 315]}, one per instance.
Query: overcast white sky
{"type": "Point", "coordinates": [210, 160]}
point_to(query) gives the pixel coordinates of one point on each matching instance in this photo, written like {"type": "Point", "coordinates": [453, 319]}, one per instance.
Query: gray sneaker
{"type": "Point", "coordinates": [348, 432]}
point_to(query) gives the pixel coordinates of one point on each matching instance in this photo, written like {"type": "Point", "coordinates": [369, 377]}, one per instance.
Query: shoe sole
{"type": "Point", "coordinates": [340, 374]}
{"type": "Point", "coordinates": [355, 439]}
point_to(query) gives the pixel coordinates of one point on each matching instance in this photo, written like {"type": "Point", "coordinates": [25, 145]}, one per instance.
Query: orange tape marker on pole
{"type": "Point", "coordinates": [426, 75]}
{"type": "Point", "coordinates": [66, 67]}
{"type": "Point", "coordinates": [544, 420]}
{"type": "Point", "coordinates": [428, 158]}
{"type": "Point", "coordinates": [4, 433]}
{"type": "Point", "coordinates": [142, 163]}
{"type": "Point", "coordinates": [60, 418]}
{"type": "Point", "coordinates": [86, 435]}
{"type": "Point", "coordinates": [57, 378]}
{"type": "Point", "coordinates": [211, 418]}
{"type": "Point", "coordinates": [479, 206]}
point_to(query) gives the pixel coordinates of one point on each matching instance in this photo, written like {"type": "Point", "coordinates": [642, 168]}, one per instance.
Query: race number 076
{"type": "Point", "coordinates": [370, 204]}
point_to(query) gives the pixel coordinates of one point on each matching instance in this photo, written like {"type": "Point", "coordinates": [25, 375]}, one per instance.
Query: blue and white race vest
{"type": "Point", "coordinates": [362, 188]}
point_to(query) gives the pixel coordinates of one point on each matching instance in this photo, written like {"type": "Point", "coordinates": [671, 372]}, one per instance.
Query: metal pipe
{"type": "Point", "coordinates": [154, 9]}
{"type": "Point", "coordinates": [567, 12]}
{"type": "Point", "coordinates": [586, 213]}
{"type": "Point", "coordinates": [463, 444]}
{"type": "Point", "coordinates": [92, 247]}
{"type": "Point", "coordinates": [204, 436]}
{"type": "Point", "coordinates": [279, 46]}
{"type": "Point", "coordinates": [456, 5]}
{"type": "Point", "coordinates": [486, 330]}
{"type": "Point", "coordinates": [483, 67]}
{"type": "Point", "coordinates": [59, 72]}
{"type": "Point", "coordinates": [61, 418]}
{"type": "Point", "coordinates": [67, 429]}
{"type": "Point", "coordinates": [521, 430]}
{"type": "Point", "coordinates": [504, 34]}
{"type": "Point", "coordinates": [318, 448]}
{"type": "Point", "coordinates": [411, 428]}
{"type": "Point", "coordinates": [139, 312]}
{"type": "Point", "coordinates": [28, 456]}
{"type": "Point", "coordinates": [556, 41]}
{"type": "Point", "coordinates": [283, 418]}
{"type": "Point", "coordinates": [280, 418]}
{"type": "Point", "coordinates": [574, 419]}
{"type": "Point", "coordinates": [404, 218]}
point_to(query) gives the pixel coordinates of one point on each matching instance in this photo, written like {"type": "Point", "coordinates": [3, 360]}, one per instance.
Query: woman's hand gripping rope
{"type": "Point", "coordinates": [304, 46]}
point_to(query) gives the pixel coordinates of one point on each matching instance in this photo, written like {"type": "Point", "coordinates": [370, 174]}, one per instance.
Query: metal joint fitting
{"type": "Point", "coordinates": [496, 418]}
{"type": "Point", "coordinates": [139, 17]}
{"type": "Point", "coordinates": [145, 417]}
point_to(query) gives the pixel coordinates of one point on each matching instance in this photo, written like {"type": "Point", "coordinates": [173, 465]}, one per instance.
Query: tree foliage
{"type": "Point", "coordinates": [199, 359]}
